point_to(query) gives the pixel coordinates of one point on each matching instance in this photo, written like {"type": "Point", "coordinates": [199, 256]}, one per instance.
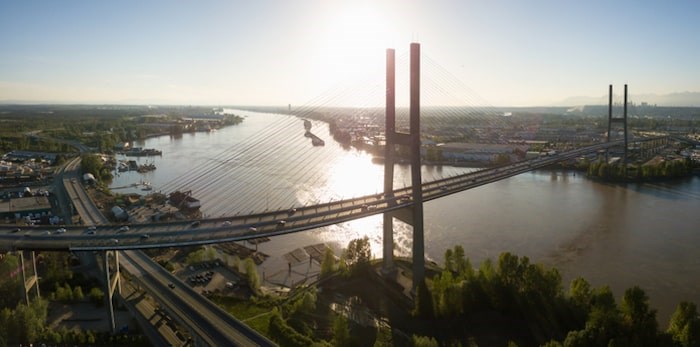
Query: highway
{"type": "Point", "coordinates": [212, 325]}
{"type": "Point", "coordinates": [266, 224]}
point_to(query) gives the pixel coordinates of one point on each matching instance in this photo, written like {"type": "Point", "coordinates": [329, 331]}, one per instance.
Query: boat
{"type": "Point", "coordinates": [142, 152]}
{"type": "Point", "coordinates": [317, 142]}
{"type": "Point", "coordinates": [146, 167]}
{"type": "Point", "coordinates": [184, 200]}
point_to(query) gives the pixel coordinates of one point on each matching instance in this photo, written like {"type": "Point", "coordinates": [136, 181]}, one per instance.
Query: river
{"type": "Point", "coordinates": [616, 234]}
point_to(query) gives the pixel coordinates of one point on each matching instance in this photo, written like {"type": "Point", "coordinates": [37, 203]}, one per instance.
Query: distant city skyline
{"type": "Point", "coordinates": [510, 53]}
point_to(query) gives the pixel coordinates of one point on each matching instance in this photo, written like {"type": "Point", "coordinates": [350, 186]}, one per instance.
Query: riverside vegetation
{"type": "Point", "coordinates": [507, 302]}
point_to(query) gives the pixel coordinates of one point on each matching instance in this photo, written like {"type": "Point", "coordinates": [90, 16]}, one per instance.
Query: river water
{"type": "Point", "coordinates": [616, 234]}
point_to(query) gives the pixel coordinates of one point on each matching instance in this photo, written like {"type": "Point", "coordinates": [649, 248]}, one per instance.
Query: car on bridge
{"type": "Point", "coordinates": [281, 224]}
{"type": "Point", "coordinates": [123, 228]}
{"type": "Point", "coordinates": [60, 230]}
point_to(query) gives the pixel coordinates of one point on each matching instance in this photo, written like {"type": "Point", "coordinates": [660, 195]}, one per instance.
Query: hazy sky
{"type": "Point", "coordinates": [519, 52]}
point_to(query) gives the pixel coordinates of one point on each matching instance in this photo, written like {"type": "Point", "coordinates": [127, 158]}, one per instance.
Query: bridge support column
{"type": "Point", "coordinates": [390, 130]}
{"type": "Point", "coordinates": [622, 120]}
{"type": "Point", "coordinates": [29, 282]}
{"type": "Point", "coordinates": [112, 283]}
{"type": "Point", "coordinates": [412, 140]}
{"type": "Point", "coordinates": [416, 180]}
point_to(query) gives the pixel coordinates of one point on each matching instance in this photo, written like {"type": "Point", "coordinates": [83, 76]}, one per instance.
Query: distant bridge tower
{"type": "Point", "coordinates": [414, 214]}
{"type": "Point", "coordinates": [622, 120]}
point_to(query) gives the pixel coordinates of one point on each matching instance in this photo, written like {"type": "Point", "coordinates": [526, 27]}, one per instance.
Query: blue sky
{"type": "Point", "coordinates": [278, 52]}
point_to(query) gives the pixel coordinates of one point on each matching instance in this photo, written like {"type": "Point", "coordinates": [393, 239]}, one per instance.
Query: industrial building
{"type": "Point", "coordinates": [32, 206]}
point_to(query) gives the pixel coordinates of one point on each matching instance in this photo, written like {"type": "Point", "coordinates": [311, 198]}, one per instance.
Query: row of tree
{"type": "Point", "coordinates": [532, 295]}
{"type": "Point", "coordinates": [618, 171]}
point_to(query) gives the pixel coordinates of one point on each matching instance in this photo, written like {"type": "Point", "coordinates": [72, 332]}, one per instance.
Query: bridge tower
{"type": "Point", "coordinates": [622, 120]}
{"type": "Point", "coordinates": [29, 282]}
{"type": "Point", "coordinates": [414, 213]}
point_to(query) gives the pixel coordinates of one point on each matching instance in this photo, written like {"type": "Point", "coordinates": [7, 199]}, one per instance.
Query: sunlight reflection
{"type": "Point", "coordinates": [354, 175]}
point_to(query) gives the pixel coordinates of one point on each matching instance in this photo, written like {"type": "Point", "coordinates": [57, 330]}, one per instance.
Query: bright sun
{"type": "Point", "coordinates": [354, 40]}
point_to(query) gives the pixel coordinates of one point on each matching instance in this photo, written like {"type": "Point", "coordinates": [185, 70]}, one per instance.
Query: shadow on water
{"type": "Point", "coordinates": [668, 190]}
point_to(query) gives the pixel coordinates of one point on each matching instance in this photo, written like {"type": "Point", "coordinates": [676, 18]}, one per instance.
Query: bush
{"type": "Point", "coordinates": [97, 296]}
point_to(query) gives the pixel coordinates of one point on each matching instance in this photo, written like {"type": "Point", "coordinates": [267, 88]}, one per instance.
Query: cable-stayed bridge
{"type": "Point", "coordinates": [271, 223]}
{"type": "Point", "coordinates": [258, 156]}
{"type": "Point", "coordinates": [403, 203]}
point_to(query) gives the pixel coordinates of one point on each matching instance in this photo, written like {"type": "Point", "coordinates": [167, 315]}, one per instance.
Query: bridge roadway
{"type": "Point", "coordinates": [211, 324]}
{"type": "Point", "coordinates": [243, 227]}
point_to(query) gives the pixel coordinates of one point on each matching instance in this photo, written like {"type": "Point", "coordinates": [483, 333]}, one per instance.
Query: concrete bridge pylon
{"type": "Point", "coordinates": [413, 214]}
{"type": "Point", "coordinates": [622, 120]}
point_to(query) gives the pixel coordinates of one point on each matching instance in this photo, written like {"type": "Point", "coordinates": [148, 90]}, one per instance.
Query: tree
{"type": "Point", "coordinates": [684, 327]}
{"type": "Point", "coordinates": [91, 163]}
{"type": "Point", "coordinates": [197, 256]}
{"type": "Point", "coordinates": [78, 293]}
{"type": "Point", "coordinates": [341, 331]}
{"type": "Point", "coordinates": [252, 275]}
{"type": "Point", "coordinates": [359, 254]}
{"type": "Point", "coordinates": [9, 272]}
{"type": "Point", "coordinates": [384, 338]}
{"type": "Point", "coordinates": [96, 295]}
{"type": "Point", "coordinates": [639, 319]}
{"type": "Point", "coordinates": [60, 159]}
{"type": "Point", "coordinates": [449, 262]}
{"type": "Point", "coordinates": [328, 263]}
{"type": "Point", "coordinates": [424, 341]}
{"type": "Point", "coordinates": [424, 302]}
{"type": "Point", "coordinates": [461, 263]}
{"type": "Point", "coordinates": [278, 328]}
